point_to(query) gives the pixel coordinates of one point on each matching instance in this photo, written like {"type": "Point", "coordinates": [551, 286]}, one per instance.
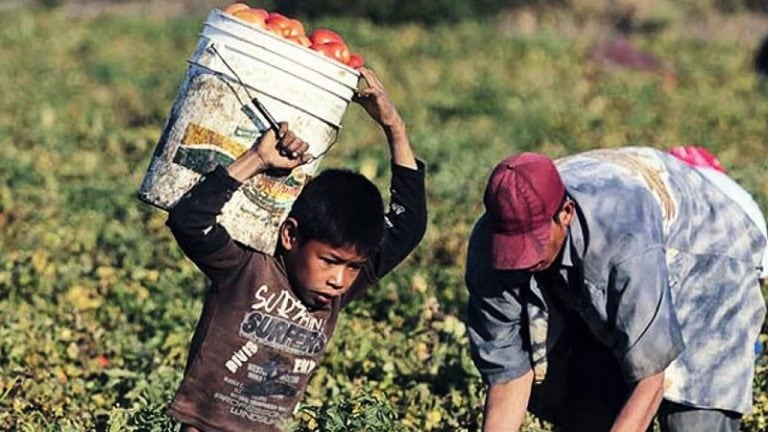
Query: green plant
{"type": "Point", "coordinates": [424, 11]}
{"type": "Point", "coordinates": [99, 304]}
{"type": "Point", "coordinates": [359, 412]}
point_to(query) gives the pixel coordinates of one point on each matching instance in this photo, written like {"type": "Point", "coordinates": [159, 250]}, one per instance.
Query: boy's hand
{"type": "Point", "coordinates": [270, 154]}
{"type": "Point", "coordinates": [375, 100]}
{"type": "Point", "coordinates": [285, 153]}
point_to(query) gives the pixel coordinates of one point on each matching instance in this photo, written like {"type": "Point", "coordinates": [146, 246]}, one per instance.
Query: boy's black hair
{"type": "Point", "coordinates": [340, 208]}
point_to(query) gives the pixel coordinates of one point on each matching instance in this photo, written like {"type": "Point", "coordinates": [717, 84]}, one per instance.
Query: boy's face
{"type": "Point", "coordinates": [319, 272]}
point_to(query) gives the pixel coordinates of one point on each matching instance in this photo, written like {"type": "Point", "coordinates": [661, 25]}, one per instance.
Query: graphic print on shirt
{"type": "Point", "coordinates": [281, 334]}
{"type": "Point", "coordinates": [281, 342]}
{"type": "Point", "coordinates": [281, 321]}
{"type": "Point", "coordinates": [267, 378]}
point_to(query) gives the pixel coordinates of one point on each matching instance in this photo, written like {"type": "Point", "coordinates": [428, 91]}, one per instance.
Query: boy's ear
{"type": "Point", "coordinates": [289, 233]}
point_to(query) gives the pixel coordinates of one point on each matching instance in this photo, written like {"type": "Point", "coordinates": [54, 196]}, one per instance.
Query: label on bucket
{"type": "Point", "coordinates": [212, 122]}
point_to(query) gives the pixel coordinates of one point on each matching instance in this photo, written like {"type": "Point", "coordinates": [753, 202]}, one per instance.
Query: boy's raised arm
{"type": "Point", "coordinates": [406, 220]}
{"type": "Point", "coordinates": [375, 100]}
{"type": "Point", "coordinates": [193, 219]}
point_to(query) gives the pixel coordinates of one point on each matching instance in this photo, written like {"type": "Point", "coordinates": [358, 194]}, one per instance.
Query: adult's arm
{"type": "Point", "coordinates": [647, 334]}
{"type": "Point", "coordinates": [637, 413]}
{"type": "Point", "coordinates": [498, 334]}
{"type": "Point", "coordinates": [506, 404]}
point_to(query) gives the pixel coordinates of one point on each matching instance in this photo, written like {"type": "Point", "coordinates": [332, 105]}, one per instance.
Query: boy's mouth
{"type": "Point", "coordinates": [322, 299]}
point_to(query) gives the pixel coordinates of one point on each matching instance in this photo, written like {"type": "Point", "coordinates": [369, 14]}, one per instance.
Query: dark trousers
{"type": "Point", "coordinates": [585, 390]}
{"type": "Point", "coordinates": [680, 418]}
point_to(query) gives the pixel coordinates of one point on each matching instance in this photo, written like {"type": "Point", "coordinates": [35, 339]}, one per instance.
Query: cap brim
{"type": "Point", "coordinates": [519, 251]}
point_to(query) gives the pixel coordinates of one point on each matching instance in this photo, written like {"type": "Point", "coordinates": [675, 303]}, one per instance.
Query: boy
{"type": "Point", "coordinates": [267, 319]}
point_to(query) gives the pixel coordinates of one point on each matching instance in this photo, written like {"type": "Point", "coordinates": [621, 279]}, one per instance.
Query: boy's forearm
{"type": "Point", "coordinates": [280, 151]}
{"type": "Point", "coordinates": [399, 144]}
{"type": "Point", "coordinates": [193, 219]}
{"type": "Point", "coordinates": [247, 166]}
{"type": "Point", "coordinates": [407, 217]}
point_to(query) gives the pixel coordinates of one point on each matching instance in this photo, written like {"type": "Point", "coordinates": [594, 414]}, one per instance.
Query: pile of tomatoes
{"type": "Point", "coordinates": [325, 41]}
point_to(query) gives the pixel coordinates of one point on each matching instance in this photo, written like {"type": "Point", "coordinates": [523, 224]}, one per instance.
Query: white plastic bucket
{"type": "Point", "coordinates": [213, 121]}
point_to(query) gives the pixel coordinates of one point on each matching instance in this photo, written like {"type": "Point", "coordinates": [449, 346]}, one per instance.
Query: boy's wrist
{"type": "Point", "coordinates": [247, 166]}
{"type": "Point", "coordinates": [224, 180]}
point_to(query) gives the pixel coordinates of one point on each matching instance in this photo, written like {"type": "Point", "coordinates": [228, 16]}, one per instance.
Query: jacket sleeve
{"type": "Point", "coordinates": [406, 222]}
{"type": "Point", "coordinates": [497, 324]}
{"type": "Point", "coordinates": [193, 222]}
{"type": "Point", "coordinates": [647, 334]}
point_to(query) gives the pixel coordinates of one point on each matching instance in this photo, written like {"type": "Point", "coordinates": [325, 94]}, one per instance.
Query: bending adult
{"type": "Point", "coordinates": [612, 286]}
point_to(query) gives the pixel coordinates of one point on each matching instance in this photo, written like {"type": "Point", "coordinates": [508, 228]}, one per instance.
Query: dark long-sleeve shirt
{"type": "Point", "coordinates": [256, 344]}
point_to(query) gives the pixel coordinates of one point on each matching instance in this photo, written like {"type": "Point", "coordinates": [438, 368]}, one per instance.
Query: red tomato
{"type": "Point", "coordinates": [322, 36]}
{"type": "Point", "coordinates": [301, 40]}
{"type": "Point", "coordinates": [294, 29]}
{"type": "Point", "coordinates": [356, 61]}
{"type": "Point", "coordinates": [278, 24]}
{"type": "Point", "coordinates": [102, 360]}
{"type": "Point", "coordinates": [250, 16]}
{"type": "Point", "coordinates": [234, 7]}
{"type": "Point", "coordinates": [262, 12]}
{"type": "Point", "coordinates": [335, 50]}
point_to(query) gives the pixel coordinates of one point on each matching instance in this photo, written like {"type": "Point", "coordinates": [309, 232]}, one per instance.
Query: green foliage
{"type": "Point", "coordinates": [424, 11]}
{"type": "Point", "coordinates": [99, 304]}
{"type": "Point", "coordinates": [144, 417]}
{"type": "Point", "coordinates": [347, 412]}
{"type": "Point", "coordinates": [636, 14]}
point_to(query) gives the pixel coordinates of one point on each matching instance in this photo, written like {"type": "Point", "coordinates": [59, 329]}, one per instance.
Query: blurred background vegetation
{"type": "Point", "coordinates": [98, 303]}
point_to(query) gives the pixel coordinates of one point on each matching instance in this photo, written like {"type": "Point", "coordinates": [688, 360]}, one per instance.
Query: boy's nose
{"type": "Point", "coordinates": [337, 279]}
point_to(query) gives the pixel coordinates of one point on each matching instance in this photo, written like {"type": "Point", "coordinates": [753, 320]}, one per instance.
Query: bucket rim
{"type": "Point", "coordinates": [217, 14]}
{"type": "Point", "coordinates": [268, 94]}
{"type": "Point", "coordinates": [282, 69]}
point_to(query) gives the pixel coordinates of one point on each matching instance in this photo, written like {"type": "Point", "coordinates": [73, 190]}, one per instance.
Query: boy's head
{"type": "Point", "coordinates": [335, 225]}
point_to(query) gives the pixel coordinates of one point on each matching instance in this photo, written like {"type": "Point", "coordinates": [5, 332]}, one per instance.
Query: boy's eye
{"type": "Point", "coordinates": [332, 261]}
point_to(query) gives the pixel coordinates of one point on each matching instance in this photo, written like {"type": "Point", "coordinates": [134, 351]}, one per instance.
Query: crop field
{"type": "Point", "coordinates": [98, 304]}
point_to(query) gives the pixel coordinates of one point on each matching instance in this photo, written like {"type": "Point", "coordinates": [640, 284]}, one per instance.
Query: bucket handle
{"type": "Point", "coordinates": [259, 106]}
{"type": "Point", "coordinates": [256, 102]}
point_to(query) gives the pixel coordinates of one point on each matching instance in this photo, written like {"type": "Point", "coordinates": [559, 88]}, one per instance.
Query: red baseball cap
{"type": "Point", "coordinates": [522, 195]}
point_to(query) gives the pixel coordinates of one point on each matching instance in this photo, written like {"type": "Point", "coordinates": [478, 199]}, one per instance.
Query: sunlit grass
{"type": "Point", "coordinates": [87, 270]}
